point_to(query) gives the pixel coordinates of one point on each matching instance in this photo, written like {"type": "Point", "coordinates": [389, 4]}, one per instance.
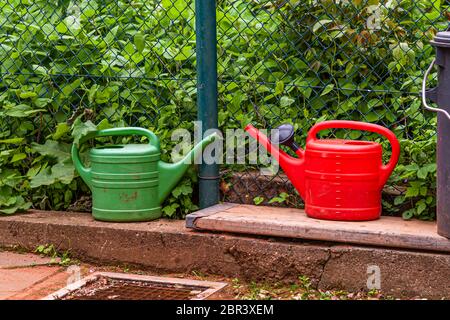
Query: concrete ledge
{"type": "Point", "coordinates": [167, 246]}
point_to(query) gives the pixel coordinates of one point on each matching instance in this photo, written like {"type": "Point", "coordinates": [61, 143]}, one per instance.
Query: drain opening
{"type": "Point", "coordinates": [115, 286]}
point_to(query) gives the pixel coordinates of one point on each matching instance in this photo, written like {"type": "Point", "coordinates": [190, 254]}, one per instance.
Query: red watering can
{"type": "Point", "coordinates": [338, 179]}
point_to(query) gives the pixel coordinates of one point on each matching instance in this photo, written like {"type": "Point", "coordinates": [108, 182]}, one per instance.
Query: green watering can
{"type": "Point", "coordinates": [129, 182]}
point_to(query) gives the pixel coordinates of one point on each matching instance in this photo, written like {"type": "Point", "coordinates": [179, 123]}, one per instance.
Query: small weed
{"type": "Point", "coordinates": [258, 292]}
{"type": "Point", "coordinates": [325, 295]}
{"type": "Point", "coordinates": [294, 287]}
{"type": "Point", "coordinates": [281, 198]}
{"type": "Point", "coordinates": [258, 200]}
{"type": "Point", "coordinates": [341, 294]}
{"type": "Point", "coordinates": [373, 293]}
{"type": "Point", "coordinates": [235, 283]}
{"type": "Point", "coordinates": [302, 289]}
{"type": "Point", "coordinates": [305, 283]}
{"type": "Point", "coordinates": [254, 291]}
{"type": "Point", "coordinates": [18, 249]}
{"type": "Point", "coordinates": [49, 250]}
{"type": "Point", "coordinates": [126, 268]}
{"type": "Point", "coordinates": [199, 274]}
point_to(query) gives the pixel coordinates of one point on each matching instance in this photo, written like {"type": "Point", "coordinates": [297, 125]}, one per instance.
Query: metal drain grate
{"type": "Point", "coordinates": [114, 289]}
{"type": "Point", "coordinates": [117, 286]}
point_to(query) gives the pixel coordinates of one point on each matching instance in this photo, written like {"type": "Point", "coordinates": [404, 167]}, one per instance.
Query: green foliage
{"type": "Point", "coordinates": [118, 63]}
{"type": "Point", "coordinates": [181, 201]}
{"type": "Point", "coordinates": [113, 63]}
{"type": "Point", "coordinates": [281, 198]}
{"type": "Point", "coordinates": [258, 200]}
{"type": "Point", "coordinates": [418, 172]}
{"type": "Point", "coordinates": [50, 250]}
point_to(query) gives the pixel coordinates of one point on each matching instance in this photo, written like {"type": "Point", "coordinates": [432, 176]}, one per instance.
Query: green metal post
{"type": "Point", "coordinates": [206, 38]}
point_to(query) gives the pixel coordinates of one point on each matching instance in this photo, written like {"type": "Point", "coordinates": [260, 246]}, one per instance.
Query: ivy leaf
{"type": "Point", "coordinates": [81, 129]}
{"type": "Point", "coordinates": [412, 192]}
{"type": "Point", "coordinates": [286, 101]}
{"type": "Point", "coordinates": [139, 41]}
{"type": "Point", "coordinates": [18, 156]}
{"type": "Point", "coordinates": [42, 102]}
{"type": "Point", "coordinates": [54, 149]}
{"type": "Point", "coordinates": [431, 167]}
{"type": "Point", "coordinates": [104, 124]}
{"type": "Point", "coordinates": [61, 172]}
{"type": "Point", "coordinates": [19, 205]}
{"type": "Point", "coordinates": [70, 87]}
{"type": "Point", "coordinates": [21, 111]}
{"type": "Point", "coordinates": [10, 177]}
{"type": "Point", "coordinates": [279, 88]}
{"type": "Point", "coordinates": [399, 200]}
{"type": "Point", "coordinates": [422, 173]}
{"type": "Point", "coordinates": [421, 206]}
{"type": "Point", "coordinates": [423, 191]}
{"type": "Point", "coordinates": [408, 214]}
{"type": "Point", "coordinates": [175, 8]}
{"type": "Point", "coordinates": [8, 201]}
{"type": "Point", "coordinates": [170, 209]}
{"type": "Point", "coordinates": [320, 24]}
{"type": "Point", "coordinates": [27, 94]}
{"type": "Point", "coordinates": [327, 89]}
{"type": "Point", "coordinates": [282, 197]}
{"type": "Point", "coordinates": [6, 198]}
{"type": "Point", "coordinates": [12, 140]}
{"type": "Point", "coordinates": [258, 200]}
{"type": "Point", "coordinates": [184, 54]}
{"type": "Point", "coordinates": [183, 189]}
{"type": "Point", "coordinates": [61, 27]}
{"type": "Point", "coordinates": [61, 129]}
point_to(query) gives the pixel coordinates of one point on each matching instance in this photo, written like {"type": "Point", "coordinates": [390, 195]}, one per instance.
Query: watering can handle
{"type": "Point", "coordinates": [356, 125]}
{"type": "Point", "coordinates": [85, 173]}
{"type": "Point", "coordinates": [128, 131]}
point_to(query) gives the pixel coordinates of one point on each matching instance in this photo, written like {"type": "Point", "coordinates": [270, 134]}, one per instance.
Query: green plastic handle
{"type": "Point", "coordinates": [84, 172]}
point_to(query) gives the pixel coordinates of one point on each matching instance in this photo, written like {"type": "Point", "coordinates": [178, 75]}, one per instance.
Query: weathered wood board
{"type": "Point", "coordinates": [293, 223]}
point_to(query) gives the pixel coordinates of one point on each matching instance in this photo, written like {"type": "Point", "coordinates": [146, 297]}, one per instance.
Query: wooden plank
{"type": "Point", "coordinates": [192, 217]}
{"type": "Point", "coordinates": [293, 223]}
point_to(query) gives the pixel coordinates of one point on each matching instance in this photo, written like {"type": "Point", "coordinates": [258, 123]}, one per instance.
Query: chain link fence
{"type": "Point", "coordinates": [111, 62]}
{"type": "Point", "coordinates": [302, 62]}
{"type": "Point", "coordinates": [123, 62]}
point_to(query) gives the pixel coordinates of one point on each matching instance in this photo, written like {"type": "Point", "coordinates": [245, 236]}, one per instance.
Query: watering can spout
{"type": "Point", "coordinates": [293, 167]}
{"type": "Point", "coordinates": [171, 173]}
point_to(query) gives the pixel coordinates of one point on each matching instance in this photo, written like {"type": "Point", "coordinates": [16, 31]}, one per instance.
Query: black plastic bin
{"type": "Point", "coordinates": [441, 96]}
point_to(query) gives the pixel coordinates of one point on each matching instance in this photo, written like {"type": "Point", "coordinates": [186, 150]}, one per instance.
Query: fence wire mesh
{"type": "Point", "coordinates": [122, 62]}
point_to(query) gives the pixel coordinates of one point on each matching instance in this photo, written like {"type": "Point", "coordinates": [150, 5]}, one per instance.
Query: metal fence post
{"type": "Point", "coordinates": [206, 38]}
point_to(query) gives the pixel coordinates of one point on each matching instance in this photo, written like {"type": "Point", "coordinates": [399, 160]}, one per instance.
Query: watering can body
{"type": "Point", "coordinates": [129, 181]}
{"type": "Point", "coordinates": [338, 179]}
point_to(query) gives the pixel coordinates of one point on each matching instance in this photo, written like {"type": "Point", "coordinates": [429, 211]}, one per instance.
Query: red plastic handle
{"type": "Point", "coordinates": [356, 125]}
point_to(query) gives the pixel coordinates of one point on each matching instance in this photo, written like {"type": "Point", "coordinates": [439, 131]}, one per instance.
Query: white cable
{"type": "Point", "coordinates": [424, 86]}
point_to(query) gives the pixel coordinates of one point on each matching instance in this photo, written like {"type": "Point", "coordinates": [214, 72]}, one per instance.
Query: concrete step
{"type": "Point", "coordinates": [166, 246]}
{"type": "Point", "coordinates": [293, 223]}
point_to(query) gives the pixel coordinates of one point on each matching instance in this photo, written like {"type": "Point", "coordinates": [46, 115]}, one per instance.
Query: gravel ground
{"type": "Point", "coordinates": [238, 289]}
